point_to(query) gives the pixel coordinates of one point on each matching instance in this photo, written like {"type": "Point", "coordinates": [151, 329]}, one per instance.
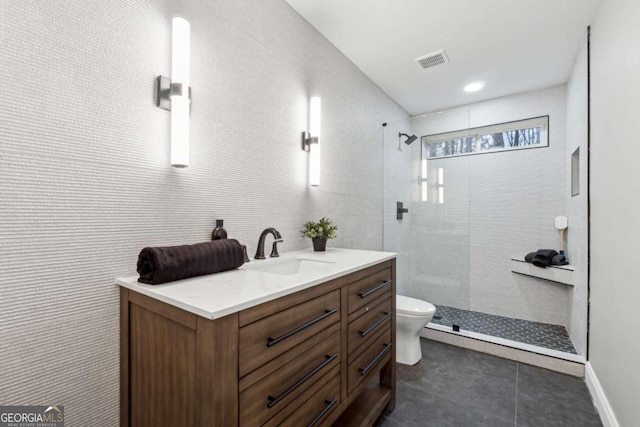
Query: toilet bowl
{"type": "Point", "coordinates": [411, 316]}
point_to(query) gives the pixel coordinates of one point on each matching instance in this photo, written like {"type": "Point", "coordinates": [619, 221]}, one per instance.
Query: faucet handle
{"type": "Point", "coordinates": [274, 249]}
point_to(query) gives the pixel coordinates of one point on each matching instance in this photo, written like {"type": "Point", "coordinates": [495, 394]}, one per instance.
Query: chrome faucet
{"type": "Point", "coordinates": [260, 250]}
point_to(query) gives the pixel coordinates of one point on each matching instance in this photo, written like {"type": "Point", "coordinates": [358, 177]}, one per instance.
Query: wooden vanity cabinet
{"type": "Point", "coordinates": [318, 357]}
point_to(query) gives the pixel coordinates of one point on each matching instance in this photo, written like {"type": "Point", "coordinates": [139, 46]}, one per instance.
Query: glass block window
{"type": "Point", "coordinates": [522, 134]}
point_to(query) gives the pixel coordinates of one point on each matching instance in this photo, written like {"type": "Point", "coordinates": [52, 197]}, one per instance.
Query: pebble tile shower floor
{"type": "Point", "coordinates": [457, 387]}
{"type": "Point", "coordinates": [554, 337]}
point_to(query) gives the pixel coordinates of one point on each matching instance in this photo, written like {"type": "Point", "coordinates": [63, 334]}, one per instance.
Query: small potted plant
{"type": "Point", "coordinates": [319, 232]}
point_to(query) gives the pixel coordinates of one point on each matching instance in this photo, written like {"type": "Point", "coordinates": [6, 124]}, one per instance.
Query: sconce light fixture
{"type": "Point", "coordinates": [311, 141]}
{"type": "Point", "coordinates": [175, 95]}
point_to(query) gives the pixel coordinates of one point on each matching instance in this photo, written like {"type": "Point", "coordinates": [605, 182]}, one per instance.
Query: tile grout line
{"type": "Point", "coordinates": [515, 421]}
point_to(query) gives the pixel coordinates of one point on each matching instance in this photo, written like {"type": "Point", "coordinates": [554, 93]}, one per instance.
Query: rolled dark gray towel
{"type": "Point", "coordinates": [529, 257]}
{"type": "Point", "coordinates": [543, 257]}
{"type": "Point", "coordinates": [169, 263]}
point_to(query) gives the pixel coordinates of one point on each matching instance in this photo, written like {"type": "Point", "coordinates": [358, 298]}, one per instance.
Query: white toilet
{"type": "Point", "coordinates": [411, 316]}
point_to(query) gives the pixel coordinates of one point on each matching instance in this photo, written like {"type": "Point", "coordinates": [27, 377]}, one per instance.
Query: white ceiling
{"type": "Point", "coordinates": [512, 45]}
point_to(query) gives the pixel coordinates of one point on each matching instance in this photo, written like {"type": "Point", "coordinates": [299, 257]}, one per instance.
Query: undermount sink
{"type": "Point", "coordinates": [287, 266]}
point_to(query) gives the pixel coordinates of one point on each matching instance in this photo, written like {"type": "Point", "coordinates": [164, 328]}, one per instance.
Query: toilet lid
{"type": "Point", "coordinates": [414, 307]}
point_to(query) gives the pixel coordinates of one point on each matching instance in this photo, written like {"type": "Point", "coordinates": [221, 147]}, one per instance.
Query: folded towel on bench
{"type": "Point", "coordinates": [166, 264]}
{"type": "Point", "coordinates": [545, 257]}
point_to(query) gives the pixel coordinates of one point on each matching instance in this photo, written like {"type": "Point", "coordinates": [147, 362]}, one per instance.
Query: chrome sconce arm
{"type": "Point", "coordinates": [165, 90]}
{"type": "Point", "coordinates": [307, 140]}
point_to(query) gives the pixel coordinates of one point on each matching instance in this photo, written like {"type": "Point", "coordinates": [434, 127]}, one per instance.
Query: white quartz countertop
{"type": "Point", "coordinates": [217, 295]}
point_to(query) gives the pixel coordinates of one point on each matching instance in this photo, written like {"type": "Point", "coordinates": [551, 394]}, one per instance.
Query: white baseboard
{"type": "Point", "coordinates": [600, 400]}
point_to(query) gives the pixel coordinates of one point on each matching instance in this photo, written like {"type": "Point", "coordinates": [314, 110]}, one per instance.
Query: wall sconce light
{"type": "Point", "coordinates": [311, 141]}
{"type": "Point", "coordinates": [175, 95]}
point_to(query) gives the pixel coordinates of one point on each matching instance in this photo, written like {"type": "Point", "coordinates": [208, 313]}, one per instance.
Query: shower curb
{"type": "Point", "coordinates": [483, 344]}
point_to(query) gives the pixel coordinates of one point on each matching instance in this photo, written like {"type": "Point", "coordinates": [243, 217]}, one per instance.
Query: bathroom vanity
{"type": "Point", "coordinates": [304, 340]}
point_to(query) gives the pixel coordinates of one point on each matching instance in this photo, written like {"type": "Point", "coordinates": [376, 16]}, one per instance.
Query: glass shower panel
{"type": "Point", "coordinates": [440, 267]}
{"type": "Point", "coordinates": [433, 238]}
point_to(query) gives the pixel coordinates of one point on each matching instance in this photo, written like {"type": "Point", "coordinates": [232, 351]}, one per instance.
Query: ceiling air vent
{"type": "Point", "coordinates": [433, 59]}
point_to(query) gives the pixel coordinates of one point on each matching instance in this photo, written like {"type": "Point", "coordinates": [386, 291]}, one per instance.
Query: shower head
{"type": "Point", "coordinates": [410, 138]}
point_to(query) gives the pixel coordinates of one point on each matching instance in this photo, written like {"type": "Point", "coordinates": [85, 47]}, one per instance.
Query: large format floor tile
{"type": "Point", "coordinates": [553, 399]}
{"type": "Point", "coordinates": [453, 386]}
{"type": "Point", "coordinates": [539, 382]}
{"type": "Point", "coordinates": [418, 408]}
{"type": "Point", "coordinates": [535, 411]}
{"type": "Point", "coordinates": [476, 380]}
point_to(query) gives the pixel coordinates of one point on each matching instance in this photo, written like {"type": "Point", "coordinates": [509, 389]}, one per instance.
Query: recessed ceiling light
{"type": "Point", "coordinates": [474, 87]}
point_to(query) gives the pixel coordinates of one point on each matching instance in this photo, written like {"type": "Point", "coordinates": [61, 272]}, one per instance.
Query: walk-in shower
{"type": "Point", "coordinates": [486, 183]}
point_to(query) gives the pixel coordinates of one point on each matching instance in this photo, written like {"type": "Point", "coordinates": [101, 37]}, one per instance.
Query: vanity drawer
{"type": "Point", "coordinates": [271, 336]}
{"type": "Point", "coordinates": [374, 319]}
{"type": "Point", "coordinates": [370, 360]}
{"type": "Point", "coordinates": [318, 402]}
{"type": "Point", "coordinates": [280, 390]}
{"type": "Point", "coordinates": [367, 289]}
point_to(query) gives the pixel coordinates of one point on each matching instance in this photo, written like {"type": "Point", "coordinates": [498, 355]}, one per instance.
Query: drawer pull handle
{"type": "Point", "coordinates": [375, 325]}
{"type": "Point", "coordinates": [372, 290]}
{"type": "Point", "coordinates": [274, 400]}
{"type": "Point", "coordinates": [328, 405]}
{"type": "Point", "coordinates": [363, 371]}
{"type": "Point", "coordinates": [274, 341]}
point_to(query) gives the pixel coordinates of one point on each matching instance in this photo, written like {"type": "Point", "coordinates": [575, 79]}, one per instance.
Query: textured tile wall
{"type": "Point", "coordinates": [577, 206]}
{"type": "Point", "coordinates": [496, 206]}
{"type": "Point", "coordinates": [85, 180]}
{"type": "Point", "coordinates": [515, 197]}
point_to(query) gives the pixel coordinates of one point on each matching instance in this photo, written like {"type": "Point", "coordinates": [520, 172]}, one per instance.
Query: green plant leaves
{"type": "Point", "coordinates": [323, 229]}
